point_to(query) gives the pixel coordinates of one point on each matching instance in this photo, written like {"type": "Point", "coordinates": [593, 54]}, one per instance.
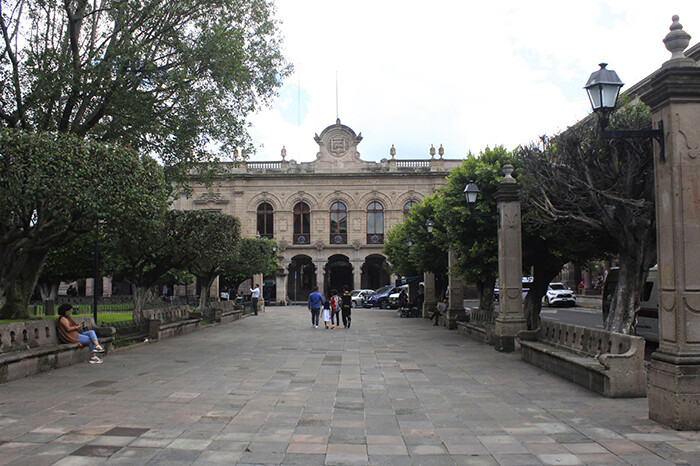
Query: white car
{"type": "Point", "coordinates": [394, 297]}
{"type": "Point", "coordinates": [559, 294]}
{"type": "Point", "coordinates": [358, 296]}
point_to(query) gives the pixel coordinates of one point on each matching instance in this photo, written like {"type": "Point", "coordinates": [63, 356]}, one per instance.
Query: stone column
{"type": "Point", "coordinates": [456, 311]}
{"type": "Point", "coordinates": [356, 275]}
{"type": "Point", "coordinates": [429, 299]}
{"type": "Point", "coordinates": [281, 280]}
{"type": "Point", "coordinates": [674, 97]}
{"type": "Point", "coordinates": [510, 318]}
{"type": "Point", "coordinates": [321, 278]}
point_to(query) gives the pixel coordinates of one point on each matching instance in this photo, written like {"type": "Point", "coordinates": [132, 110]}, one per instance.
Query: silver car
{"type": "Point", "coordinates": [358, 296]}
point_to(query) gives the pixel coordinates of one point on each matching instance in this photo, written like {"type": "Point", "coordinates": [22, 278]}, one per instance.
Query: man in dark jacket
{"type": "Point", "coordinates": [346, 307]}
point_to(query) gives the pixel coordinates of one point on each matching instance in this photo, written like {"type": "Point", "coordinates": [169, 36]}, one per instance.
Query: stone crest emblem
{"type": "Point", "coordinates": [338, 145]}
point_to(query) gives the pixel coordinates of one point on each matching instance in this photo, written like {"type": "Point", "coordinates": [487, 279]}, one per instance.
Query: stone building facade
{"type": "Point", "coordinates": [329, 217]}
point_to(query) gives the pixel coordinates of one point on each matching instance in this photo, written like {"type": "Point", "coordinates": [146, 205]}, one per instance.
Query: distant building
{"type": "Point", "coordinates": [329, 216]}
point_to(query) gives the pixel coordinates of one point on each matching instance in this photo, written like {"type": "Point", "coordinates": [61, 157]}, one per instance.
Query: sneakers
{"type": "Point", "coordinates": [315, 326]}
{"type": "Point", "coordinates": [95, 360]}
{"type": "Point", "coordinates": [98, 349]}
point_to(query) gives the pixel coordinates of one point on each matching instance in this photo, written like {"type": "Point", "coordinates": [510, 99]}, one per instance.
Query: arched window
{"type": "Point", "coordinates": [265, 221]}
{"type": "Point", "coordinates": [339, 223]}
{"type": "Point", "coordinates": [407, 208]}
{"type": "Point", "coordinates": [375, 223]}
{"type": "Point", "coordinates": [302, 224]}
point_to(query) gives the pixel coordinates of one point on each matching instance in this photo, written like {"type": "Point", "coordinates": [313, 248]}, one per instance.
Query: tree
{"type": "Point", "coordinates": [471, 230]}
{"type": "Point", "coordinates": [172, 78]}
{"type": "Point", "coordinates": [67, 263]}
{"type": "Point", "coordinates": [215, 239]}
{"type": "Point", "coordinates": [608, 188]}
{"type": "Point", "coordinates": [54, 188]}
{"type": "Point", "coordinates": [249, 257]}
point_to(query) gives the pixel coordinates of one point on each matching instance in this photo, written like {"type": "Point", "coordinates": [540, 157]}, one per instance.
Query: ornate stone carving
{"type": "Point", "coordinates": [319, 245]}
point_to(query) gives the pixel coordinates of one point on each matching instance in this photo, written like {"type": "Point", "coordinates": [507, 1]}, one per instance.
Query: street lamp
{"type": "Point", "coordinates": [429, 225]}
{"type": "Point", "coordinates": [603, 88]}
{"type": "Point", "coordinates": [409, 242]}
{"type": "Point", "coordinates": [471, 192]}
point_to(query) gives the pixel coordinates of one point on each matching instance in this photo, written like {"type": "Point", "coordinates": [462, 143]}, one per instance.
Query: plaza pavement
{"type": "Point", "coordinates": [270, 389]}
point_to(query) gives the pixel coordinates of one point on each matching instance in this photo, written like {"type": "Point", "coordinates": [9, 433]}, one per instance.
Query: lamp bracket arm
{"type": "Point", "coordinates": [657, 134]}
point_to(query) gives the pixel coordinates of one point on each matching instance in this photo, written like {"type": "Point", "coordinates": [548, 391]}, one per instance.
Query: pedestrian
{"type": "Point", "coordinates": [315, 303]}
{"type": "Point", "coordinates": [327, 312]}
{"type": "Point", "coordinates": [70, 332]}
{"type": "Point", "coordinates": [254, 296]}
{"type": "Point", "coordinates": [335, 309]}
{"type": "Point", "coordinates": [346, 307]}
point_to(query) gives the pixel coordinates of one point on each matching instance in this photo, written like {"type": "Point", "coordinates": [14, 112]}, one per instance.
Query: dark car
{"type": "Point", "coordinates": [380, 298]}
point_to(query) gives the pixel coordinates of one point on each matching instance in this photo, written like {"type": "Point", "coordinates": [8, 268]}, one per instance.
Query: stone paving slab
{"type": "Point", "coordinates": [270, 389]}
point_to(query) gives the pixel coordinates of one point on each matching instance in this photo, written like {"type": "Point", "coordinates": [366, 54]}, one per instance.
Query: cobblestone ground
{"type": "Point", "coordinates": [271, 389]}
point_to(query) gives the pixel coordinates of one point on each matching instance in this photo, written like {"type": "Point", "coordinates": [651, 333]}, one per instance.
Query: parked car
{"type": "Point", "coordinates": [394, 296]}
{"type": "Point", "coordinates": [358, 297]}
{"type": "Point", "coordinates": [559, 294]}
{"type": "Point", "coordinates": [647, 322]}
{"type": "Point", "coordinates": [380, 298]}
{"type": "Point", "coordinates": [527, 283]}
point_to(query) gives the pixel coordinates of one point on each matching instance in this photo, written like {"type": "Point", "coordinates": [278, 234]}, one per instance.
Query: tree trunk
{"type": "Point", "coordinates": [204, 287]}
{"type": "Point", "coordinates": [626, 298]}
{"type": "Point", "coordinates": [485, 291]}
{"type": "Point", "coordinates": [47, 290]}
{"type": "Point", "coordinates": [141, 295]}
{"type": "Point", "coordinates": [19, 291]}
{"type": "Point", "coordinates": [543, 274]}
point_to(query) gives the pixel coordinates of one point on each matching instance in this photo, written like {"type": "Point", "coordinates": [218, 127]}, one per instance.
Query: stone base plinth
{"type": "Point", "coordinates": [505, 331]}
{"type": "Point", "coordinates": [674, 391]}
{"type": "Point", "coordinates": [455, 315]}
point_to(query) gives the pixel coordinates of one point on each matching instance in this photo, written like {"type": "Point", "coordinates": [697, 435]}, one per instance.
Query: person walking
{"type": "Point", "coordinates": [254, 297]}
{"type": "Point", "coordinates": [346, 307]}
{"type": "Point", "coordinates": [315, 303]}
{"type": "Point", "coordinates": [327, 312]}
{"type": "Point", "coordinates": [335, 309]}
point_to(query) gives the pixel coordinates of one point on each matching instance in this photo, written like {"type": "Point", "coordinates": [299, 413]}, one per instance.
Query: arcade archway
{"type": "Point", "coordinates": [301, 279]}
{"type": "Point", "coordinates": [375, 272]}
{"type": "Point", "coordinates": [338, 274]}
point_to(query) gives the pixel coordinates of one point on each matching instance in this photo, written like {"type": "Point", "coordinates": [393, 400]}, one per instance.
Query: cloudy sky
{"type": "Point", "coordinates": [463, 74]}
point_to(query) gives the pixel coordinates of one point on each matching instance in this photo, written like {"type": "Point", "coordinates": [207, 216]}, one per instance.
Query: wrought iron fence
{"type": "Point", "coordinates": [128, 331]}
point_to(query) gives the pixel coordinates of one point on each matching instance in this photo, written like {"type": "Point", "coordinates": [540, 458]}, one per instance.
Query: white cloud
{"type": "Point", "coordinates": [415, 73]}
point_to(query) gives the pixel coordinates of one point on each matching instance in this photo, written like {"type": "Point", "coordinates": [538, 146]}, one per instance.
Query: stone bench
{"type": "Point", "coordinates": [609, 363]}
{"type": "Point", "coordinates": [171, 321]}
{"type": "Point", "coordinates": [27, 348]}
{"type": "Point", "coordinates": [479, 326]}
{"type": "Point", "coordinates": [226, 311]}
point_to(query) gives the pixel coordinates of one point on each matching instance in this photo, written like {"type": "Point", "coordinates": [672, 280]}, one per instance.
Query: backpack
{"type": "Point", "coordinates": [334, 303]}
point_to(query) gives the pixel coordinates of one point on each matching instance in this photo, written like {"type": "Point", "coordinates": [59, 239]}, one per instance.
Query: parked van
{"type": "Point", "coordinates": [647, 323]}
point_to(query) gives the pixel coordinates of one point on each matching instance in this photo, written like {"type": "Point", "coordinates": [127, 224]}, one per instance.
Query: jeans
{"type": "Point", "coordinates": [88, 337]}
{"type": "Point", "coordinates": [335, 318]}
{"type": "Point", "coordinates": [314, 315]}
{"type": "Point", "coordinates": [346, 317]}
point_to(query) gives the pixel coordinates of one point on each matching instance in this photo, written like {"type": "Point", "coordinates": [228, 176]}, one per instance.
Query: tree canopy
{"type": "Point", "coordinates": [175, 79]}
{"type": "Point", "coordinates": [54, 188]}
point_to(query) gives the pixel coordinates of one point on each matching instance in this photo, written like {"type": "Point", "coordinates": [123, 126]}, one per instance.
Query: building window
{"type": "Point", "coordinates": [375, 223]}
{"type": "Point", "coordinates": [339, 223]}
{"type": "Point", "coordinates": [302, 224]}
{"type": "Point", "coordinates": [265, 221]}
{"type": "Point", "coordinates": [407, 208]}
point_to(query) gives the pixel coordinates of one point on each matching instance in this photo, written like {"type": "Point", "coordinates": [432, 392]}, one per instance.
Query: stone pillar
{"type": "Point", "coordinates": [106, 286]}
{"type": "Point", "coordinates": [281, 287]}
{"type": "Point", "coordinates": [510, 318]}
{"type": "Point", "coordinates": [674, 375]}
{"type": "Point", "coordinates": [429, 299]}
{"type": "Point", "coordinates": [456, 311]}
{"type": "Point", "coordinates": [356, 275]}
{"type": "Point", "coordinates": [321, 279]}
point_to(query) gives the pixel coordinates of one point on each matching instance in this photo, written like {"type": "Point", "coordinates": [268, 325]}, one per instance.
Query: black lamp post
{"type": "Point", "coordinates": [471, 192]}
{"type": "Point", "coordinates": [409, 242]}
{"type": "Point", "coordinates": [429, 225]}
{"type": "Point", "coordinates": [603, 88]}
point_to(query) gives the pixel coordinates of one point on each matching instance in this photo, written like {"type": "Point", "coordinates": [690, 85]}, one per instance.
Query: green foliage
{"type": "Point", "coordinates": [54, 188]}
{"type": "Point", "coordinates": [473, 237]}
{"type": "Point", "coordinates": [173, 78]}
{"type": "Point", "coordinates": [250, 256]}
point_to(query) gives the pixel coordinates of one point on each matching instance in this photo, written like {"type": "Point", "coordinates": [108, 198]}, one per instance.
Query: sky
{"type": "Point", "coordinates": [462, 74]}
